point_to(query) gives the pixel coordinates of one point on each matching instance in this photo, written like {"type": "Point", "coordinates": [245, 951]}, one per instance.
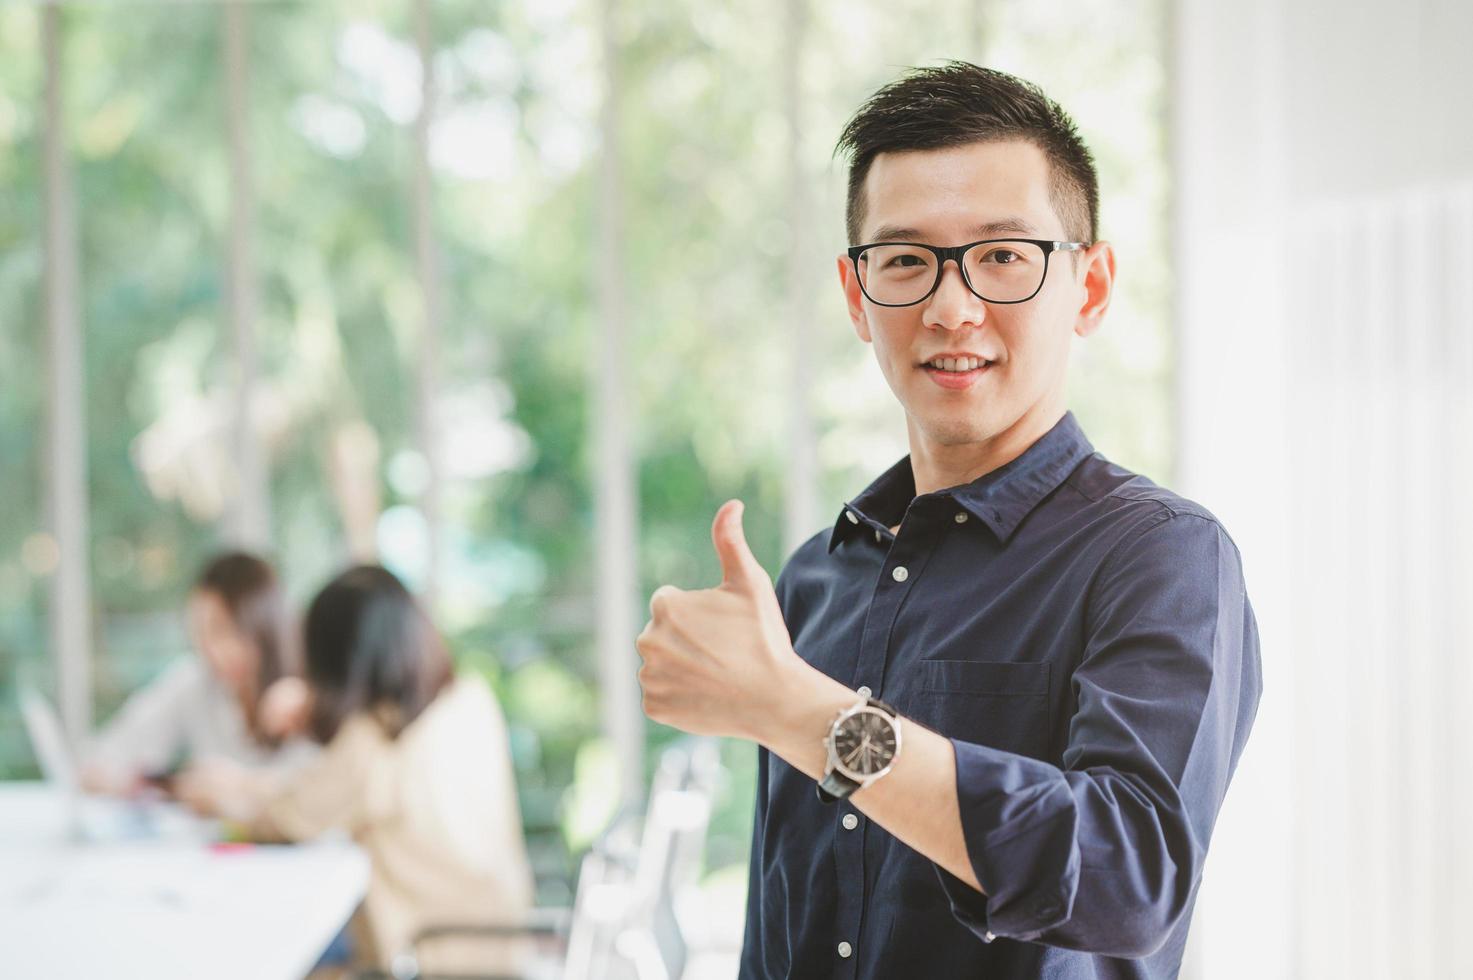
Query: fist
{"type": "Point", "coordinates": [219, 788]}
{"type": "Point", "coordinates": [717, 660]}
{"type": "Point", "coordinates": [285, 708]}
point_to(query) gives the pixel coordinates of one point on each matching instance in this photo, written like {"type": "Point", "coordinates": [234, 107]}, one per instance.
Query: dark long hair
{"type": "Point", "coordinates": [371, 648]}
{"type": "Point", "coordinates": [252, 593]}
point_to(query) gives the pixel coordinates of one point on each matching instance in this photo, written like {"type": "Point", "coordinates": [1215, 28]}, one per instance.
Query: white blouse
{"type": "Point", "coordinates": [185, 714]}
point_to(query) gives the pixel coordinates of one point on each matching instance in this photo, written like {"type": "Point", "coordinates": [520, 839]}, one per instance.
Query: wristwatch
{"type": "Point", "coordinates": [862, 744]}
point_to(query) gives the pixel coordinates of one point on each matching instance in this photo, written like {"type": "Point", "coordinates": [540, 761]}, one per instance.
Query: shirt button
{"type": "Point", "coordinates": [989, 937]}
{"type": "Point", "coordinates": [845, 950]}
{"type": "Point", "coordinates": [852, 519]}
{"type": "Point", "coordinates": [899, 573]}
{"type": "Point", "coordinates": [877, 535]}
{"type": "Point", "coordinates": [850, 821]}
{"type": "Point", "coordinates": [961, 517]}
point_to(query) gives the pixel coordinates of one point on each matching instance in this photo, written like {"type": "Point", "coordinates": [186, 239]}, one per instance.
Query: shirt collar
{"type": "Point", "coordinates": [1000, 499]}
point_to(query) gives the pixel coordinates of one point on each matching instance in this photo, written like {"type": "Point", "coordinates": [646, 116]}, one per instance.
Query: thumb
{"type": "Point", "coordinates": [739, 567]}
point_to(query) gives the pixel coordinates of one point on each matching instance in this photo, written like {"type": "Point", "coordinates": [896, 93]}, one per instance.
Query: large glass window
{"type": "Point", "coordinates": [329, 111]}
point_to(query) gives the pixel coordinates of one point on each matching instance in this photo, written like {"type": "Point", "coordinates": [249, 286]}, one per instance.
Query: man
{"type": "Point", "coordinates": [998, 704]}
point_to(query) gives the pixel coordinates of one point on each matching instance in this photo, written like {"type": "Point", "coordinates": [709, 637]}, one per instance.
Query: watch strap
{"type": "Point", "coordinates": [834, 786]}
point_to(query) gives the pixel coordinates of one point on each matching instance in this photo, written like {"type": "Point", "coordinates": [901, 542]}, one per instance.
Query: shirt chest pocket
{"type": "Point", "coordinates": [1004, 705]}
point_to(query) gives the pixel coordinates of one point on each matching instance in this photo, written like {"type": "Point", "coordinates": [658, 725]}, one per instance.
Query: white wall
{"type": "Point", "coordinates": [1324, 248]}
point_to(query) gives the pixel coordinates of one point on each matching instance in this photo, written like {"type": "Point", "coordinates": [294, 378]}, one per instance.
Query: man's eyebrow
{"type": "Point", "coordinates": [894, 233]}
{"type": "Point", "coordinates": [990, 229]}
{"type": "Point", "coordinates": [1005, 226]}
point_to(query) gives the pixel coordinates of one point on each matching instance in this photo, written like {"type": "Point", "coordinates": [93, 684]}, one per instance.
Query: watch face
{"type": "Point", "coordinates": [865, 742]}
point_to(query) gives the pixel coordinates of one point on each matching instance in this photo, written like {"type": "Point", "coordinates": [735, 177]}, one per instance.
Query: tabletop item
{"type": "Point", "coordinates": [170, 904]}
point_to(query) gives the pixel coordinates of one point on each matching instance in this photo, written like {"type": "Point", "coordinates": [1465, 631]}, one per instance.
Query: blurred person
{"type": "Point", "coordinates": [999, 701]}
{"type": "Point", "coordinates": [219, 703]}
{"type": "Point", "coordinates": [416, 768]}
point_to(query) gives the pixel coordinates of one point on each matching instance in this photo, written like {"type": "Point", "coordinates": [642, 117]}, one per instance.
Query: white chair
{"type": "Point", "coordinates": [623, 923]}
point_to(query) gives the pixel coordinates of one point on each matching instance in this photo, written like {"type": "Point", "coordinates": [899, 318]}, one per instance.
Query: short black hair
{"type": "Point", "coordinates": [959, 103]}
{"type": "Point", "coordinates": [371, 649]}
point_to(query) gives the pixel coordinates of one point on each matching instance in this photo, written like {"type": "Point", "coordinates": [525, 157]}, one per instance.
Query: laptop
{"type": "Point", "coordinates": [91, 818]}
{"type": "Point", "coordinates": [48, 739]}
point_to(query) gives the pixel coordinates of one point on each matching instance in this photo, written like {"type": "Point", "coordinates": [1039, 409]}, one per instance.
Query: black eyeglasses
{"type": "Point", "coordinates": [997, 270]}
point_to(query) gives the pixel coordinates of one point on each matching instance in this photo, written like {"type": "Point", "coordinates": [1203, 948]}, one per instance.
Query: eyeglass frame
{"type": "Point", "coordinates": [957, 253]}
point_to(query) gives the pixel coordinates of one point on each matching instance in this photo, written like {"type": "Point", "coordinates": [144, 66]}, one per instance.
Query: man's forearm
{"type": "Point", "coordinates": [915, 801]}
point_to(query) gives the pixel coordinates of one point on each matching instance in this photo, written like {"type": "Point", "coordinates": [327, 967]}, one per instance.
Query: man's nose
{"type": "Point", "coordinates": [953, 305]}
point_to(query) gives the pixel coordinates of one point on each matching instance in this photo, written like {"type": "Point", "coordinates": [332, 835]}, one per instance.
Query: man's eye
{"type": "Point", "coordinates": [907, 261]}
{"type": "Point", "coordinates": [1001, 256]}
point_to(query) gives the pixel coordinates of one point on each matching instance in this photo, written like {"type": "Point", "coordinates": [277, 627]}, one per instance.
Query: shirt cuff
{"type": "Point", "coordinates": [1018, 822]}
{"type": "Point", "coordinates": [968, 905]}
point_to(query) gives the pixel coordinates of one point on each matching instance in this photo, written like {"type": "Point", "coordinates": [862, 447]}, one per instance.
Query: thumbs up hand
{"type": "Point", "coordinates": [717, 660]}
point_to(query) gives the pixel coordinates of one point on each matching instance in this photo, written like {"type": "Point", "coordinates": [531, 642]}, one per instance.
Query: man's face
{"type": "Point", "coordinates": [951, 197]}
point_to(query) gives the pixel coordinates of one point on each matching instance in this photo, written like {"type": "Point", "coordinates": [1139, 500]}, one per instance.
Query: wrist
{"type": "Point", "coordinates": [805, 703]}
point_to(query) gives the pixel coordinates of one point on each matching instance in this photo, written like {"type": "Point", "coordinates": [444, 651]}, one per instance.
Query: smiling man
{"type": "Point", "coordinates": [999, 702]}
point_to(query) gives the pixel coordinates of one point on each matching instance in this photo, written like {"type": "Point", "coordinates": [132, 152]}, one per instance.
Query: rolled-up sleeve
{"type": "Point", "coordinates": [1105, 854]}
{"type": "Point", "coordinates": [352, 784]}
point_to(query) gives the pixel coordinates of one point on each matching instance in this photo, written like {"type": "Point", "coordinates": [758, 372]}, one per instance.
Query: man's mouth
{"type": "Point", "coordinates": [957, 373]}
{"type": "Point", "coordinates": [956, 365]}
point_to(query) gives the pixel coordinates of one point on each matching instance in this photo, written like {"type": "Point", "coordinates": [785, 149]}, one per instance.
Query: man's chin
{"type": "Point", "coordinates": [951, 431]}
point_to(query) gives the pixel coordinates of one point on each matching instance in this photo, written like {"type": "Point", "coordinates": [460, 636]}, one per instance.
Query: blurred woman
{"type": "Point", "coordinates": [214, 704]}
{"type": "Point", "coordinates": [416, 768]}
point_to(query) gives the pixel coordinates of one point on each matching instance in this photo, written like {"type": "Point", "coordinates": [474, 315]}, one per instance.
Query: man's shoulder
{"type": "Point", "coordinates": [1133, 498]}
{"type": "Point", "coordinates": [1146, 525]}
{"type": "Point", "coordinates": [806, 560]}
{"type": "Point", "coordinates": [814, 548]}
{"type": "Point", "coordinates": [809, 553]}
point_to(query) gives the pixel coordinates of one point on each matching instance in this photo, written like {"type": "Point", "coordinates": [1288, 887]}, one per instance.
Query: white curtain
{"type": "Point", "coordinates": [1324, 251]}
{"type": "Point", "coordinates": [1382, 585]}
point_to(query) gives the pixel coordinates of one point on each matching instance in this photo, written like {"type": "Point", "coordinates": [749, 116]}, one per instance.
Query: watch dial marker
{"type": "Point", "coordinates": [865, 743]}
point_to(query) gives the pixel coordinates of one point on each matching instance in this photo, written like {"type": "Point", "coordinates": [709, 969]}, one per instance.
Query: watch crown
{"type": "Point", "coordinates": [864, 692]}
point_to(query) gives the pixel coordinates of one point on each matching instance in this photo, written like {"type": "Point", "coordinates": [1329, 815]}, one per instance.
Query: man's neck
{"type": "Point", "coordinates": [937, 466]}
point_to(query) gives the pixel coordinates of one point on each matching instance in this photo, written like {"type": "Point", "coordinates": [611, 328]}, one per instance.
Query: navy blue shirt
{"type": "Point", "coordinates": [1083, 637]}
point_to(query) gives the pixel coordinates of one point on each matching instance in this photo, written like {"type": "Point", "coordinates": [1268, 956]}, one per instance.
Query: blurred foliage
{"type": "Point", "coordinates": [333, 94]}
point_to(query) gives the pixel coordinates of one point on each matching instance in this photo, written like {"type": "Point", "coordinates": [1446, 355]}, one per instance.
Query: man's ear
{"type": "Point", "coordinates": [1099, 285]}
{"type": "Point", "coordinates": [853, 297]}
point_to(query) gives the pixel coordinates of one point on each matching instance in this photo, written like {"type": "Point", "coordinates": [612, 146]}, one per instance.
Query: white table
{"type": "Point", "coordinates": [168, 907]}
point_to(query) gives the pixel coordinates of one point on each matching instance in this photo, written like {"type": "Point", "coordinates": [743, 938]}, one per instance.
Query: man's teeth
{"type": "Point", "coordinates": [957, 363]}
